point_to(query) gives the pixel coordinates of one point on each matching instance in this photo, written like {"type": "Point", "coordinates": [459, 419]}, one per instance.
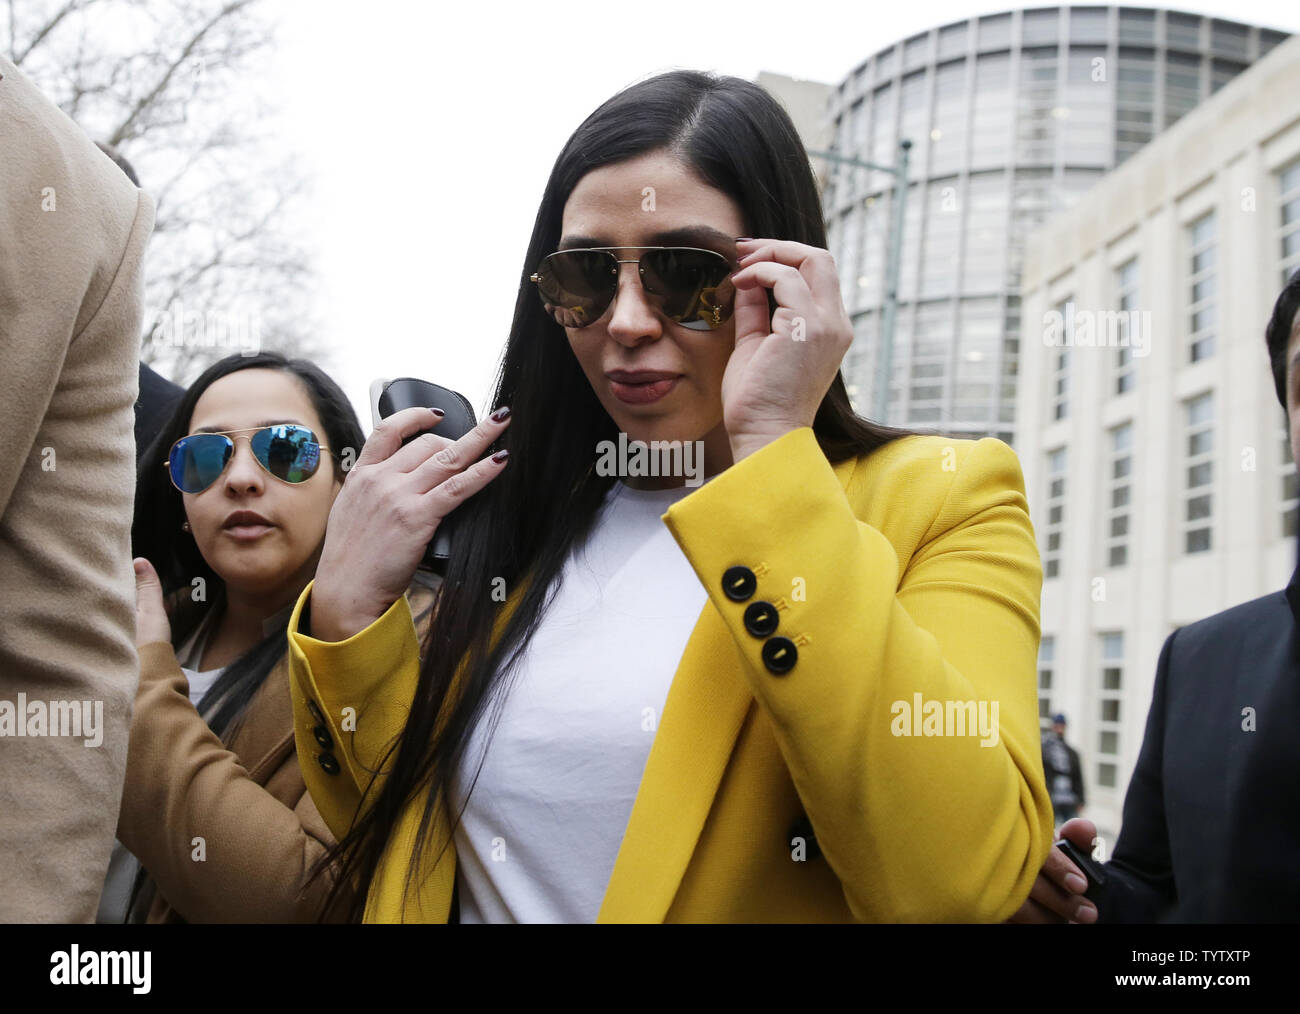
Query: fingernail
{"type": "Point", "coordinates": [501, 414]}
{"type": "Point", "coordinates": [438, 412]}
{"type": "Point", "coordinates": [500, 456]}
{"type": "Point", "coordinates": [1087, 913]}
{"type": "Point", "coordinates": [1076, 883]}
{"type": "Point", "coordinates": [744, 239]}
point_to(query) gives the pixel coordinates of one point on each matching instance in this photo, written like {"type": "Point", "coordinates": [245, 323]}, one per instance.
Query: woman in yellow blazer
{"type": "Point", "coordinates": [850, 731]}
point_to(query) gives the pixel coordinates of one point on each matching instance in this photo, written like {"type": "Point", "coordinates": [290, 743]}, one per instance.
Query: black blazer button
{"type": "Point", "coordinates": [328, 762]}
{"type": "Point", "coordinates": [761, 618]}
{"type": "Point", "coordinates": [323, 737]}
{"type": "Point", "coordinates": [802, 828]}
{"type": "Point", "coordinates": [779, 655]}
{"type": "Point", "coordinates": [316, 712]}
{"type": "Point", "coordinates": [738, 583]}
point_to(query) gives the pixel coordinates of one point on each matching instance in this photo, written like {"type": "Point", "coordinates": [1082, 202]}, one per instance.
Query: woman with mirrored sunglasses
{"type": "Point", "coordinates": [683, 697]}
{"type": "Point", "coordinates": [231, 508]}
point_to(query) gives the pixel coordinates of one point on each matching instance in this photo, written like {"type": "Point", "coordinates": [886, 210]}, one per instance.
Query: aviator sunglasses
{"type": "Point", "coordinates": [289, 452]}
{"type": "Point", "coordinates": [692, 286]}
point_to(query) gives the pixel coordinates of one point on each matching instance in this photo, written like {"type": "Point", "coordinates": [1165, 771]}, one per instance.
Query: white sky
{"type": "Point", "coordinates": [430, 129]}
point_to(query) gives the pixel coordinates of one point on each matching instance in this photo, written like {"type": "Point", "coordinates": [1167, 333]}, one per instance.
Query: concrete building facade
{"type": "Point", "coordinates": [1155, 453]}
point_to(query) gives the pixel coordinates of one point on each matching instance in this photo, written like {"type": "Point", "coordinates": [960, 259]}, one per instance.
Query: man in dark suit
{"type": "Point", "coordinates": [158, 398]}
{"type": "Point", "coordinates": [1064, 773]}
{"type": "Point", "coordinates": [1211, 829]}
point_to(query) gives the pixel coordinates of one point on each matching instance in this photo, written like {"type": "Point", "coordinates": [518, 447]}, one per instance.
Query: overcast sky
{"type": "Point", "coordinates": [430, 129]}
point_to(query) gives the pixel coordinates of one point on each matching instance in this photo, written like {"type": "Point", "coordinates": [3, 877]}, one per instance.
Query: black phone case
{"type": "Point", "coordinates": [458, 419]}
{"type": "Point", "coordinates": [1091, 869]}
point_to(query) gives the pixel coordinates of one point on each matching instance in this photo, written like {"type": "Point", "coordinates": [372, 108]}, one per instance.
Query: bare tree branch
{"type": "Point", "coordinates": [173, 85]}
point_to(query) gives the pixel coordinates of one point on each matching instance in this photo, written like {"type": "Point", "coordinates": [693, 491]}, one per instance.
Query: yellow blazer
{"type": "Point", "coordinates": [829, 793]}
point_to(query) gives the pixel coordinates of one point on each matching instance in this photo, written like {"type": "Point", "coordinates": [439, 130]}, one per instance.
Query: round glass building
{"type": "Point", "coordinates": [1011, 117]}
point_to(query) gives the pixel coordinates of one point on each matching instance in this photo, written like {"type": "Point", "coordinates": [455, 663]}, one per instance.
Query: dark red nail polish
{"type": "Point", "coordinates": [501, 455]}
{"type": "Point", "coordinates": [501, 414]}
{"type": "Point", "coordinates": [438, 412]}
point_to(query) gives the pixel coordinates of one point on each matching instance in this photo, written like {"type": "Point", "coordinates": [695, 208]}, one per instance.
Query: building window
{"type": "Point", "coordinates": [995, 32]}
{"type": "Point", "coordinates": [1039, 27]}
{"type": "Point", "coordinates": [1088, 24]}
{"type": "Point", "coordinates": [1135, 101]}
{"type": "Point", "coordinates": [1182, 85]}
{"type": "Point", "coordinates": [1289, 186]}
{"type": "Point", "coordinates": [1223, 71]}
{"type": "Point", "coordinates": [1126, 278]}
{"type": "Point", "coordinates": [1183, 31]}
{"type": "Point", "coordinates": [1109, 700]}
{"type": "Point", "coordinates": [1118, 512]}
{"type": "Point", "coordinates": [1055, 512]}
{"type": "Point", "coordinates": [1203, 287]}
{"type": "Point", "coordinates": [1137, 26]}
{"type": "Point", "coordinates": [952, 40]}
{"type": "Point", "coordinates": [1228, 38]}
{"type": "Point", "coordinates": [1046, 668]}
{"type": "Point", "coordinates": [1290, 490]}
{"type": "Point", "coordinates": [1061, 369]}
{"type": "Point", "coordinates": [1198, 497]}
{"type": "Point", "coordinates": [1036, 127]}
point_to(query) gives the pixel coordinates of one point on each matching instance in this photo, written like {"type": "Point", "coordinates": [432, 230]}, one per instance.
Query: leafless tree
{"type": "Point", "coordinates": [178, 87]}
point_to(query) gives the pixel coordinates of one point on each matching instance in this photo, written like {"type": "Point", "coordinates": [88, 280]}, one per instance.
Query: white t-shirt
{"type": "Point", "coordinates": [190, 655]}
{"type": "Point", "coordinates": [538, 840]}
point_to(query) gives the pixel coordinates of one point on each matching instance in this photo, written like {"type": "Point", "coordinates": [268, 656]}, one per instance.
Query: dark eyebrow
{"type": "Point", "coordinates": [691, 235]}
{"type": "Point", "coordinates": [258, 426]}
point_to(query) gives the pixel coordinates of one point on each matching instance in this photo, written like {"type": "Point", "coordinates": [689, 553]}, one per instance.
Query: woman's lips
{"type": "Point", "coordinates": [247, 532]}
{"type": "Point", "coordinates": [644, 393]}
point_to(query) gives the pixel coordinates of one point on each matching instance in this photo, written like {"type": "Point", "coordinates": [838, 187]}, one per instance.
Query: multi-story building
{"type": "Point", "coordinates": [1155, 453]}
{"type": "Point", "coordinates": [1012, 117]}
{"type": "Point", "coordinates": [807, 103]}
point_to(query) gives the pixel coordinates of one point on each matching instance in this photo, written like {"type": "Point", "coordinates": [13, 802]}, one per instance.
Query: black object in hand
{"type": "Point", "coordinates": [458, 419]}
{"type": "Point", "coordinates": [1092, 870]}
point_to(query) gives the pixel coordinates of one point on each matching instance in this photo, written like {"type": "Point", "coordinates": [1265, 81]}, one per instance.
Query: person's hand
{"type": "Point", "coordinates": [783, 363]}
{"type": "Point", "coordinates": [151, 623]}
{"type": "Point", "coordinates": [387, 511]}
{"type": "Point", "coordinates": [1057, 894]}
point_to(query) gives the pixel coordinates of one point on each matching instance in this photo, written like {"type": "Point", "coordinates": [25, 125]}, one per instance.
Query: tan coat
{"type": "Point", "coordinates": [73, 231]}
{"type": "Point", "coordinates": [261, 832]}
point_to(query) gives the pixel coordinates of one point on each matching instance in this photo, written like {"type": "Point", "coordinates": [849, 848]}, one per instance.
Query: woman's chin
{"type": "Point", "coordinates": [255, 578]}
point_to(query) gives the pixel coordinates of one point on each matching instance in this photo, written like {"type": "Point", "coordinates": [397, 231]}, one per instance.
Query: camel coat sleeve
{"type": "Point", "coordinates": [223, 843]}
{"type": "Point", "coordinates": [73, 231]}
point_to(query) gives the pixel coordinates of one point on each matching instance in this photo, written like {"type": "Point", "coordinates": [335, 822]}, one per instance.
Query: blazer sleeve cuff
{"type": "Point", "coordinates": [743, 518]}
{"type": "Point", "coordinates": [357, 663]}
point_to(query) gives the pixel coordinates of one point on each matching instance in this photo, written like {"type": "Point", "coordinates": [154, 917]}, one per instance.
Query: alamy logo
{"type": "Point", "coordinates": [102, 968]}
{"type": "Point", "coordinates": [657, 458]}
{"type": "Point", "coordinates": [77, 719]}
{"type": "Point", "coordinates": [920, 717]}
{"type": "Point", "coordinates": [1119, 329]}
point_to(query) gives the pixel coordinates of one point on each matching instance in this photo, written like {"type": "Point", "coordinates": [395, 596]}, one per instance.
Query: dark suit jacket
{"type": "Point", "coordinates": [154, 407]}
{"type": "Point", "coordinates": [1211, 827]}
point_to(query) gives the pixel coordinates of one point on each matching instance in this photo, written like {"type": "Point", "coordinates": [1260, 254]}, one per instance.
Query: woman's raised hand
{"type": "Point", "coordinates": [387, 511]}
{"type": "Point", "coordinates": [783, 363]}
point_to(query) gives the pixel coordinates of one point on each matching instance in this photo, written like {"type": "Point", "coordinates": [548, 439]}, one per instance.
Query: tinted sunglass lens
{"type": "Point", "coordinates": [695, 286]}
{"type": "Point", "coordinates": [578, 285]}
{"type": "Point", "coordinates": [290, 453]}
{"type": "Point", "coordinates": [198, 460]}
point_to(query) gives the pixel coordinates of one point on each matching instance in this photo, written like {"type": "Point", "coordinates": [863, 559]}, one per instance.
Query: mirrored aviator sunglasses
{"type": "Point", "coordinates": [691, 286]}
{"type": "Point", "coordinates": [289, 452]}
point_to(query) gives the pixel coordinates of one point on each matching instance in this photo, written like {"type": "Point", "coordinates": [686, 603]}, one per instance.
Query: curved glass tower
{"type": "Point", "coordinates": [1011, 117]}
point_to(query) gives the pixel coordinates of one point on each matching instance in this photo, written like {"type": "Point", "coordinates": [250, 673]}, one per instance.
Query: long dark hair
{"type": "Point", "coordinates": [159, 512]}
{"type": "Point", "coordinates": [738, 140]}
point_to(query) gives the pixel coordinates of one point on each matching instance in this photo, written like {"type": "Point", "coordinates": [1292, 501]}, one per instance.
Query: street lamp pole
{"type": "Point", "coordinates": [889, 314]}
